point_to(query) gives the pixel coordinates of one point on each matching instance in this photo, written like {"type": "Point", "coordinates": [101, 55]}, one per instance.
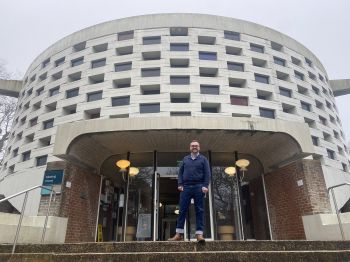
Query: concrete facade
{"type": "Point", "coordinates": [229, 71]}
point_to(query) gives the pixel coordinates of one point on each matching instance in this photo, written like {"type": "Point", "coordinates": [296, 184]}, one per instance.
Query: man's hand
{"type": "Point", "coordinates": [204, 190]}
{"type": "Point", "coordinates": [180, 188]}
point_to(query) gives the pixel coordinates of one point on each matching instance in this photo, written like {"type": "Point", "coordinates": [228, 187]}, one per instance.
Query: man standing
{"type": "Point", "coordinates": [193, 182]}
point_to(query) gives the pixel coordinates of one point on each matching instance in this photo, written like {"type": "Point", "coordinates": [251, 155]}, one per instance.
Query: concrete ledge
{"type": "Point", "coordinates": [325, 226]}
{"type": "Point", "coordinates": [340, 87]}
{"type": "Point", "coordinates": [32, 228]}
{"type": "Point", "coordinates": [10, 87]}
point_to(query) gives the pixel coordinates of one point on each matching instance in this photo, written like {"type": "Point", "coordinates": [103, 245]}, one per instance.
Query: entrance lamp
{"type": "Point", "coordinates": [123, 165]}
{"type": "Point", "coordinates": [133, 171]}
{"type": "Point", "coordinates": [242, 164]}
{"type": "Point", "coordinates": [230, 171]}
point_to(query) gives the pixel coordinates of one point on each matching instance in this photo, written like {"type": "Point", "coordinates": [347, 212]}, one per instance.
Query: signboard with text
{"type": "Point", "coordinates": [52, 178]}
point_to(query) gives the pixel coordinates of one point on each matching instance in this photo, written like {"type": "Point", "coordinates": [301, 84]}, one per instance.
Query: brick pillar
{"type": "Point", "coordinates": [288, 202]}
{"type": "Point", "coordinates": [80, 203]}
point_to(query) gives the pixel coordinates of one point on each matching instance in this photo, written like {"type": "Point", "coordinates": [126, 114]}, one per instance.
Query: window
{"type": "Point", "coordinates": [30, 91]}
{"type": "Point", "coordinates": [179, 98]}
{"type": "Point", "coordinates": [150, 72]}
{"type": "Point", "coordinates": [74, 77]}
{"type": "Point", "coordinates": [259, 62]}
{"type": "Point", "coordinates": [296, 61]}
{"type": "Point", "coordinates": [323, 120]}
{"type": "Point", "coordinates": [60, 61]}
{"type": "Point", "coordinates": [100, 48]}
{"type": "Point", "coordinates": [40, 91]}
{"type": "Point", "coordinates": [179, 80]}
{"type": "Point", "coordinates": [257, 48]}
{"type": "Point", "coordinates": [208, 72]}
{"type": "Point", "coordinates": [331, 154]}
{"type": "Point", "coordinates": [96, 79]}
{"type": "Point", "coordinates": [121, 101]}
{"type": "Point", "coordinates": [37, 106]}
{"type": "Point", "coordinates": [15, 152]}
{"type": "Point", "coordinates": [299, 75]}
{"type": "Point", "coordinates": [98, 63]}
{"type": "Point", "coordinates": [315, 140]}
{"type": "Point", "coordinates": [48, 124]}
{"type": "Point", "coordinates": [178, 31]}
{"type": "Point", "coordinates": [180, 113]}
{"type": "Point", "coordinates": [92, 113]}
{"type": "Point", "coordinates": [26, 156]}
{"type": "Point", "coordinates": [45, 141]}
{"type": "Point", "coordinates": [77, 61]}
{"type": "Point", "coordinates": [321, 77]}
{"type": "Point", "coordinates": [41, 160]}
{"type": "Point", "coordinates": [319, 105]}
{"type": "Point", "coordinates": [264, 95]}
{"type": "Point", "coordinates": [43, 77]}
{"type": "Point", "coordinates": [151, 40]}
{"type": "Point", "coordinates": [210, 108]}
{"type": "Point", "coordinates": [261, 78]}
{"type": "Point", "coordinates": [231, 50]}
{"type": "Point", "coordinates": [154, 55]}
{"type": "Point", "coordinates": [57, 76]}
{"type": "Point", "coordinates": [54, 91]}
{"type": "Point", "coordinates": [125, 35]}
{"type": "Point", "coordinates": [276, 46]}
{"type": "Point", "coordinates": [72, 92]}
{"type": "Point", "coordinates": [179, 62]}
{"type": "Point", "coordinates": [69, 110]}
{"type": "Point", "coordinates": [149, 108]}
{"type": "Point", "coordinates": [286, 108]}
{"type": "Point", "coordinates": [94, 96]}
{"type": "Point", "coordinates": [308, 61]}
{"type": "Point", "coordinates": [239, 100]}
{"type": "Point", "coordinates": [179, 47]}
{"type": "Point", "coordinates": [150, 89]}
{"type": "Point", "coordinates": [79, 47]}
{"type": "Point", "coordinates": [122, 83]}
{"type": "Point", "coordinates": [268, 113]}
{"type": "Point", "coordinates": [312, 76]}
{"type": "Point", "coordinates": [316, 90]}
{"type": "Point", "coordinates": [285, 92]}
{"type": "Point", "coordinates": [237, 82]}
{"type": "Point", "coordinates": [232, 35]}
{"type": "Point", "coordinates": [210, 89]}
{"type": "Point", "coordinates": [125, 50]}
{"type": "Point", "coordinates": [46, 63]}
{"type": "Point", "coordinates": [235, 66]}
{"type": "Point", "coordinates": [279, 61]}
{"type": "Point", "coordinates": [207, 56]}
{"type": "Point", "coordinates": [33, 121]}
{"type": "Point", "coordinates": [282, 76]}
{"type": "Point", "coordinates": [305, 106]}
{"type": "Point", "coordinates": [206, 40]}
{"type": "Point", "coordinates": [122, 67]}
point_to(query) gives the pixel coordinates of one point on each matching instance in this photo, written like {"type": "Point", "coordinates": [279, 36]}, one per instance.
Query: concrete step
{"type": "Point", "coordinates": [252, 256]}
{"type": "Point", "coordinates": [110, 247]}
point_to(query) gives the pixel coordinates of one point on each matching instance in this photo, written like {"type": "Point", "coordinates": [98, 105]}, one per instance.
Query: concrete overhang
{"type": "Point", "coordinates": [273, 142]}
{"type": "Point", "coordinates": [340, 87]}
{"type": "Point", "coordinates": [10, 87]}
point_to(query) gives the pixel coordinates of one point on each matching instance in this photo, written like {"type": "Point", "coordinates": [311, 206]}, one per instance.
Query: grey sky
{"type": "Point", "coordinates": [28, 27]}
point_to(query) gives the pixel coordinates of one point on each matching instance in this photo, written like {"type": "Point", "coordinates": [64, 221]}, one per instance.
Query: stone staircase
{"type": "Point", "coordinates": [280, 251]}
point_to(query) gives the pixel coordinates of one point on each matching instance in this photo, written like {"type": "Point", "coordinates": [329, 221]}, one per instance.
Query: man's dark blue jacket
{"type": "Point", "coordinates": [194, 171]}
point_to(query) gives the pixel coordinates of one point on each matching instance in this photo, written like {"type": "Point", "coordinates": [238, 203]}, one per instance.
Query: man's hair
{"type": "Point", "coordinates": [194, 141]}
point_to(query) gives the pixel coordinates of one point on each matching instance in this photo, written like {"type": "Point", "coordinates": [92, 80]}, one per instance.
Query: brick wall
{"type": "Point", "coordinates": [288, 202]}
{"type": "Point", "coordinates": [80, 203]}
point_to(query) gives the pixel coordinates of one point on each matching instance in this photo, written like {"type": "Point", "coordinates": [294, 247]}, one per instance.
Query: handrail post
{"type": "Point", "coordinates": [47, 216]}
{"type": "Point", "coordinates": [20, 221]}
{"type": "Point", "coordinates": [338, 216]}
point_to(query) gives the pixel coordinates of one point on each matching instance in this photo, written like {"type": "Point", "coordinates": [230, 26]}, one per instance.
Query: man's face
{"type": "Point", "coordinates": [194, 147]}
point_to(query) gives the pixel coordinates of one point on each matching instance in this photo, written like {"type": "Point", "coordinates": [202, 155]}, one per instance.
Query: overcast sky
{"type": "Point", "coordinates": [28, 27]}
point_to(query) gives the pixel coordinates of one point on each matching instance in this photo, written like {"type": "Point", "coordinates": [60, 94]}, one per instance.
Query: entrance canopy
{"type": "Point", "coordinates": [274, 142]}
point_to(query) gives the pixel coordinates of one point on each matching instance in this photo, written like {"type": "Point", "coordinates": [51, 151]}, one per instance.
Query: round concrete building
{"type": "Point", "coordinates": [140, 89]}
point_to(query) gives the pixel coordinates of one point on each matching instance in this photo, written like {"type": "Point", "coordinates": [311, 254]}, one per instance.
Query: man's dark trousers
{"type": "Point", "coordinates": [189, 192]}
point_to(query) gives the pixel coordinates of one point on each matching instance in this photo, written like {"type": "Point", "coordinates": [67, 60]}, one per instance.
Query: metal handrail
{"type": "Point", "coordinates": [23, 208]}
{"type": "Point", "coordinates": [336, 207]}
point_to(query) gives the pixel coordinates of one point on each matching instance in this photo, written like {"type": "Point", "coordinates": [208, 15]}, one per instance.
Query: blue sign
{"type": "Point", "coordinates": [52, 178]}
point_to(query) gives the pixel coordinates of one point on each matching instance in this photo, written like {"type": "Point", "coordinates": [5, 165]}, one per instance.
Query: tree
{"type": "Point", "coordinates": [7, 111]}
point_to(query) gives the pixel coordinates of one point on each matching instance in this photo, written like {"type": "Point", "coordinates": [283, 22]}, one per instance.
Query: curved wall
{"type": "Point", "coordinates": [171, 65]}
